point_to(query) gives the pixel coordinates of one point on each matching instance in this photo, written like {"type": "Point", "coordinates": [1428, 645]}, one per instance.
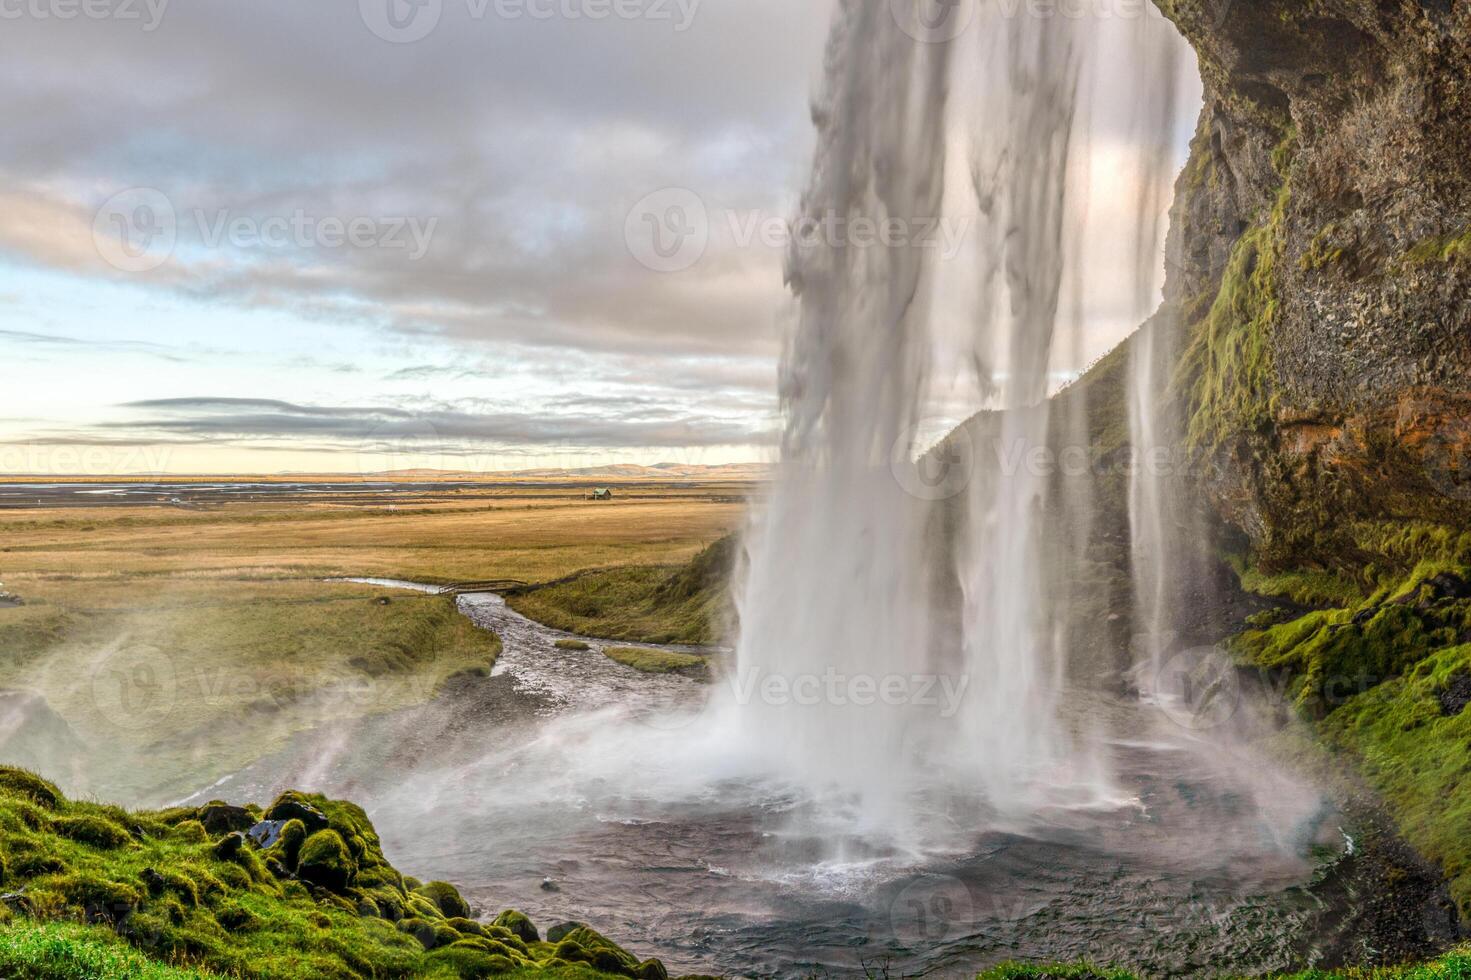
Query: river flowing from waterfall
{"type": "Point", "coordinates": [574, 788]}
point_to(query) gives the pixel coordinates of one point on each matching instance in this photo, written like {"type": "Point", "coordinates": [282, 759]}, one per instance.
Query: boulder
{"type": "Point", "coordinates": [222, 818]}
{"type": "Point", "coordinates": [519, 925]}
{"type": "Point", "coordinates": [293, 806]}
{"type": "Point", "coordinates": [264, 834]}
{"type": "Point", "coordinates": [446, 898]}
{"type": "Point", "coordinates": [325, 861]}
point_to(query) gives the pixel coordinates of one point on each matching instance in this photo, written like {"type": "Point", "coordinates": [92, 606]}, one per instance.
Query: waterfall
{"type": "Point", "coordinates": [912, 604]}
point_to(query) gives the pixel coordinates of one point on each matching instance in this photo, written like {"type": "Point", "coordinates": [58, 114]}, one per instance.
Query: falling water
{"type": "Point", "coordinates": [861, 569]}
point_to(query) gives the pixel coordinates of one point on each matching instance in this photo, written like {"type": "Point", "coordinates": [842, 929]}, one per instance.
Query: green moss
{"type": "Point", "coordinates": [446, 898]}
{"type": "Point", "coordinates": [1322, 253]}
{"type": "Point", "coordinates": [1306, 587]}
{"type": "Point", "coordinates": [642, 603]}
{"type": "Point", "coordinates": [1453, 966]}
{"type": "Point", "coordinates": [1070, 971]}
{"type": "Point", "coordinates": [1227, 368]}
{"type": "Point", "coordinates": [193, 905]}
{"type": "Point", "coordinates": [518, 925]}
{"type": "Point", "coordinates": [655, 661]}
{"type": "Point", "coordinates": [25, 783]}
{"type": "Point", "coordinates": [93, 830]}
{"type": "Point", "coordinates": [1452, 248]}
{"type": "Point", "coordinates": [326, 861]}
{"type": "Point", "coordinates": [572, 645]}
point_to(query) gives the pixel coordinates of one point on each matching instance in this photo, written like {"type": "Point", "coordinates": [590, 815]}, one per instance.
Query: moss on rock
{"type": "Point", "coordinates": [446, 898]}
{"type": "Point", "coordinates": [326, 861]}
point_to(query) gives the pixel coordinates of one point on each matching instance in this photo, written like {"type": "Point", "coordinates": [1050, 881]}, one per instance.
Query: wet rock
{"type": "Point", "coordinates": [1456, 696]}
{"type": "Point", "coordinates": [559, 932]}
{"type": "Point", "coordinates": [222, 818]}
{"type": "Point", "coordinates": [548, 885]}
{"type": "Point", "coordinates": [266, 833]}
{"type": "Point", "coordinates": [292, 806]}
{"type": "Point", "coordinates": [229, 846]}
{"type": "Point", "coordinates": [153, 881]}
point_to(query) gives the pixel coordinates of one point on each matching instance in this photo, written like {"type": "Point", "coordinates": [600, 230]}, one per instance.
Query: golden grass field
{"type": "Point", "coordinates": [179, 644]}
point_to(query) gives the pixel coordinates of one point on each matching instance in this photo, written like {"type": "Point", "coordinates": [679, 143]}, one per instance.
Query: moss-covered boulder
{"type": "Point", "coordinates": [22, 782]}
{"type": "Point", "coordinates": [297, 806]}
{"type": "Point", "coordinates": [221, 905]}
{"type": "Point", "coordinates": [222, 818]}
{"type": "Point", "coordinates": [518, 925]}
{"type": "Point", "coordinates": [446, 898]}
{"type": "Point", "coordinates": [326, 861]}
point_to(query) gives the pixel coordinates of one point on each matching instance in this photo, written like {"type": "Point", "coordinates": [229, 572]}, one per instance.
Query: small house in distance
{"type": "Point", "coordinates": [601, 493]}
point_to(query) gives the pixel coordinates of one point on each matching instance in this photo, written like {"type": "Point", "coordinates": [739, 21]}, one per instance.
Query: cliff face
{"type": "Point", "coordinates": [1320, 262]}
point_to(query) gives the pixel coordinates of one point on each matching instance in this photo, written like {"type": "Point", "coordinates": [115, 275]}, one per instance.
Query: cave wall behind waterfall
{"type": "Point", "coordinates": [1320, 268]}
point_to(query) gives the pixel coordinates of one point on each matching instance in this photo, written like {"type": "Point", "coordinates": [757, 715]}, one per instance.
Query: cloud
{"type": "Point", "coordinates": [603, 423]}
{"type": "Point", "coordinates": [46, 340]}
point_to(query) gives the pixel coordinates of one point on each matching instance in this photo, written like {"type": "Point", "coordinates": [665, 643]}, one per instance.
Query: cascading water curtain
{"type": "Point", "coordinates": [841, 588]}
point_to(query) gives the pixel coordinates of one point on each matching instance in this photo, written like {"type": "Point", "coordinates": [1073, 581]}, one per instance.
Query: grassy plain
{"type": "Point", "coordinates": [189, 641]}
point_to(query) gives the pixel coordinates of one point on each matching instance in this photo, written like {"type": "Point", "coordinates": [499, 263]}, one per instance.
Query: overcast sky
{"type": "Point", "coordinates": [355, 235]}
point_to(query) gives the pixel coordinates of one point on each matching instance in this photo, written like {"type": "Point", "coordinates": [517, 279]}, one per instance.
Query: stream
{"type": "Point", "coordinates": [574, 788]}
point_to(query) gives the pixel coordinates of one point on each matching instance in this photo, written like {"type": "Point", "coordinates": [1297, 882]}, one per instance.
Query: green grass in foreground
{"type": "Point", "coordinates": [654, 661]}
{"type": "Point", "coordinates": [1453, 966]}
{"type": "Point", "coordinates": [642, 603]}
{"type": "Point", "coordinates": [95, 891]}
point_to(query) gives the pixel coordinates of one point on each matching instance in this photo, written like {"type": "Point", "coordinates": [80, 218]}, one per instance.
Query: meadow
{"type": "Point", "coordinates": [161, 647]}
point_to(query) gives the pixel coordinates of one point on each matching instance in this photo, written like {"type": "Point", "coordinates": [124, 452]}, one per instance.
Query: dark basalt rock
{"type": "Point", "coordinates": [229, 846]}
{"type": "Point", "coordinates": [293, 807]}
{"type": "Point", "coordinates": [559, 932]}
{"type": "Point", "coordinates": [1456, 696]}
{"type": "Point", "coordinates": [222, 818]}
{"type": "Point", "coordinates": [266, 833]}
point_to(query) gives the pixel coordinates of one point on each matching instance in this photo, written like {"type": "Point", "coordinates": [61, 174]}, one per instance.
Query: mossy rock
{"type": "Point", "coordinates": [222, 818]}
{"type": "Point", "coordinates": [23, 782]}
{"type": "Point", "coordinates": [470, 964]}
{"type": "Point", "coordinates": [296, 806]}
{"type": "Point", "coordinates": [326, 861]}
{"type": "Point", "coordinates": [92, 831]}
{"type": "Point", "coordinates": [519, 926]}
{"type": "Point", "coordinates": [562, 930]}
{"type": "Point", "coordinates": [446, 898]}
{"type": "Point", "coordinates": [189, 832]}
{"type": "Point", "coordinates": [288, 844]}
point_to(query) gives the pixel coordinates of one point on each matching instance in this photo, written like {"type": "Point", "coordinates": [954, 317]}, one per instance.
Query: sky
{"type": "Point", "coordinates": [366, 235]}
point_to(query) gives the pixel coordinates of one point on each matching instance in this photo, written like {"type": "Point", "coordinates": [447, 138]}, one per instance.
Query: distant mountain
{"type": "Point", "coordinates": [612, 472]}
